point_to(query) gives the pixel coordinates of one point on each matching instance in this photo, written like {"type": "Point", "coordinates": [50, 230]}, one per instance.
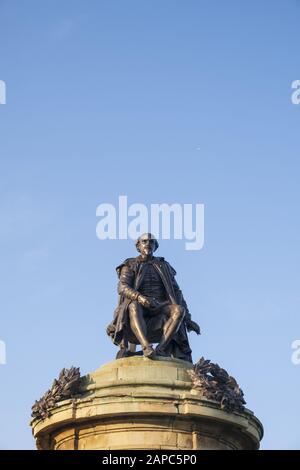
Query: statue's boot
{"type": "Point", "coordinates": [149, 352]}
{"type": "Point", "coordinates": [123, 352]}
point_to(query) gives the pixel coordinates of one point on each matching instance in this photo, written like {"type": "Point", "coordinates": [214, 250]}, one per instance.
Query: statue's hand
{"type": "Point", "coordinates": [110, 329]}
{"type": "Point", "coordinates": [143, 301]}
{"type": "Point", "coordinates": [193, 326]}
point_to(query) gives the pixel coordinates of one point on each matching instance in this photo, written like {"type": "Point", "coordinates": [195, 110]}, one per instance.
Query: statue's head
{"type": "Point", "coordinates": [146, 244]}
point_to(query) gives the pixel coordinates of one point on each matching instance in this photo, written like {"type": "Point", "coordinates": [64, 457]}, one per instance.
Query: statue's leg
{"type": "Point", "coordinates": [139, 328]}
{"type": "Point", "coordinates": [123, 349]}
{"type": "Point", "coordinates": [175, 313]}
{"type": "Point", "coordinates": [132, 347]}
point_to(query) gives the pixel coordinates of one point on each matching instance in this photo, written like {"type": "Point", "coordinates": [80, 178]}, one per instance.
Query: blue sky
{"type": "Point", "coordinates": [162, 101]}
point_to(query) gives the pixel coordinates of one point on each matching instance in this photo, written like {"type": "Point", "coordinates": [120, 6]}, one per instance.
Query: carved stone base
{"type": "Point", "coordinates": [138, 403]}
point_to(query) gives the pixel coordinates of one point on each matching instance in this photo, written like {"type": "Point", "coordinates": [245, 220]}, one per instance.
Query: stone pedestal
{"type": "Point", "coordinates": [138, 403]}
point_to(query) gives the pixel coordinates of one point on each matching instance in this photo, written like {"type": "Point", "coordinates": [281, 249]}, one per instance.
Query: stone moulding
{"type": "Point", "coordinates": [213, 382]}
{"type": "Point", "coordinates": [139, 403]}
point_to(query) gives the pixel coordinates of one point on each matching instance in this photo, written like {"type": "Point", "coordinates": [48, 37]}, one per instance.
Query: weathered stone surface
{"type": "Point", "coordinates": [138, 403]}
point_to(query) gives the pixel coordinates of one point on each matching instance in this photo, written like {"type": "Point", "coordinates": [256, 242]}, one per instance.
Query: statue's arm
{"type": "Point", "coordinates": [126, 282]}
{"type": "Point", "coordinates": [125, 287]}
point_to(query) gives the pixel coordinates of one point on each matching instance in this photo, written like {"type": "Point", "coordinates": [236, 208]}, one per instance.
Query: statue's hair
{"type": "Point", "coordinates": [137, 243]}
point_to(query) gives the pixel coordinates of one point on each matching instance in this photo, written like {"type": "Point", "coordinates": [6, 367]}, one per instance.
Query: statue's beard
{"type": "Point", "coordinates": [147, 252]}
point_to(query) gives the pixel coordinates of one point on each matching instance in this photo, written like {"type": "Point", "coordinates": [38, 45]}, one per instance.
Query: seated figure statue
{"type": "Point", "coordinates": [151, 307]}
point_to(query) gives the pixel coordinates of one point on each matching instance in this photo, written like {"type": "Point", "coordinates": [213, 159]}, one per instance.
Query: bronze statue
{"type": "Point", "coordinates": [151, 307]}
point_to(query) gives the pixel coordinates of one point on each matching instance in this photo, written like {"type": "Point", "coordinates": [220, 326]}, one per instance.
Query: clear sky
{"type": "Point", "coordinates": [162, 101]}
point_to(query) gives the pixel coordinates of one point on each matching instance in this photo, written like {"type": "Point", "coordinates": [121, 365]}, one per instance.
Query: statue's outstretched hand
{"type": "Point", "coordinates": [148, 302]}
{"type": "Point", "coordinates": [193, 326]}
{"type": "Point", "coordinates": [143, 301]}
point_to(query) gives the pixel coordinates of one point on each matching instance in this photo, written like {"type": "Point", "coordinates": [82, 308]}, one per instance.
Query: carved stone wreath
{"type": "Point", "coordinates": [63, 388]}
{"type": "Point", "coordinates": [216, 384]}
